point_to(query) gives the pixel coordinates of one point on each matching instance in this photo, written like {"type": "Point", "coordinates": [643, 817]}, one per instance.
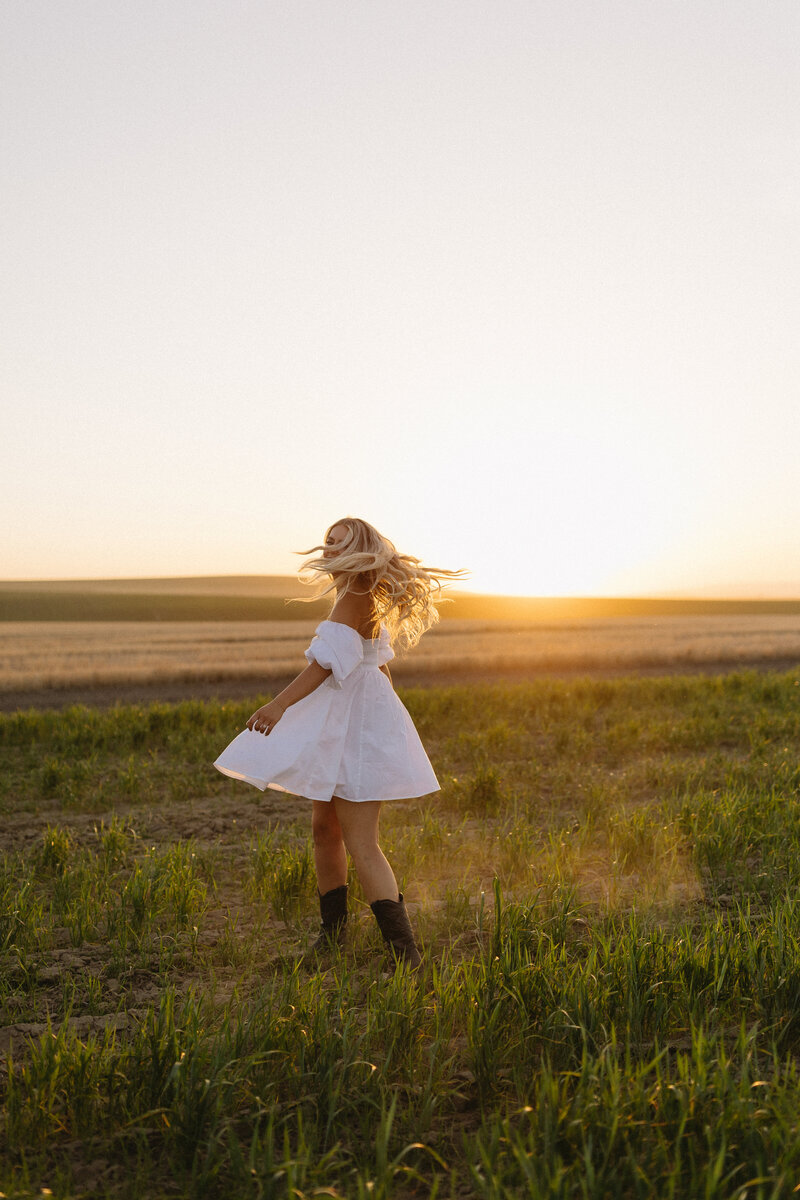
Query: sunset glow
{"type": "Point", "coordinates": [519, 289]}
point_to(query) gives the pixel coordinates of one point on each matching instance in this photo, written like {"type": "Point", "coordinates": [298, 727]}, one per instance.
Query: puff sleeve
{"type": "Point", "coordinates": [385, 651]}
{"type": "Point", "coordinates": [338, 648]}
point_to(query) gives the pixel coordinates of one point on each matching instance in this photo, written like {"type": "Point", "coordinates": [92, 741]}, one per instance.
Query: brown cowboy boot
{"type": "Point", "coordinates": [396, 929]}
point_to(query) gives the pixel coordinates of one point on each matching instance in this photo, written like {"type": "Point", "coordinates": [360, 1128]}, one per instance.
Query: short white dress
{"type": "Point", "coordinates": [352, 737]}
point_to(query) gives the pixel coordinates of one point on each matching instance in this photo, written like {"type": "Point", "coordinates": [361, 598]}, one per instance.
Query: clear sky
{"type": "Point", "coordinates": [515, 280]}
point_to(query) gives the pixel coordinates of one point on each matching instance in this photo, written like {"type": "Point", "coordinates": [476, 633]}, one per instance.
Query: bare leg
{"type": "Point", "coordinates": [359, 827]}
{"type": "Point", "coordinates": [330, 859]}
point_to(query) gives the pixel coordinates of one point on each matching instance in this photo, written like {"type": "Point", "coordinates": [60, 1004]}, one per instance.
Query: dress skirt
{"type": "Point", "coordinates": [352, 737]}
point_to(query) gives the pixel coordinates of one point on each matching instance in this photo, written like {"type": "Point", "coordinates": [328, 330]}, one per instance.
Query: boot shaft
{"type": "Point", "coordinates": [333, 907]}
{"type": "Point", "coordinates": [396, 930]}
{"type": "Point", "coordinates": [333, 911]}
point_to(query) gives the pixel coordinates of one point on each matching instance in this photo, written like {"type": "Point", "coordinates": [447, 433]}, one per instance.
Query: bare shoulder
{"type": "Point", "coordinates": [355, 611]}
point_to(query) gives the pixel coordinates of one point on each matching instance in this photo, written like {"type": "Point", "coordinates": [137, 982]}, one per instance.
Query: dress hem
{"type": "Point", "coordinates": [278, 787]}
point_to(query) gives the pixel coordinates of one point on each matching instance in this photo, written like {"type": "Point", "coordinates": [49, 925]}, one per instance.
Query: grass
{"type": "Point", "coordinates": [605, 891]}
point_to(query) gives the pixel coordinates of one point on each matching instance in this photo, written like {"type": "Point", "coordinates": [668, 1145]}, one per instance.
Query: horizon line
{"type": "Point", "coordinates": [776, 592]}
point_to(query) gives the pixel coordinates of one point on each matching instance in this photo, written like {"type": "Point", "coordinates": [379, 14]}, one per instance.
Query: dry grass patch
{"type": "Point", "coordinates": [52, 654]}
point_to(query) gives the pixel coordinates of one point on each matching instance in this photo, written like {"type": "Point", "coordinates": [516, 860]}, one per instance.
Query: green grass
{"type": "Point", "coordinates": [606, 891]}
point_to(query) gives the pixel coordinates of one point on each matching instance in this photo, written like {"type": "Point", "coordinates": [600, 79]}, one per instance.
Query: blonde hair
{"type": "Point", "coordinates": [402, 589]}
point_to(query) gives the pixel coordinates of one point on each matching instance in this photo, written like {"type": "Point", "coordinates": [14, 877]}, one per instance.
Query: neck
{"type": "Point", "coordinates": [358, 586]}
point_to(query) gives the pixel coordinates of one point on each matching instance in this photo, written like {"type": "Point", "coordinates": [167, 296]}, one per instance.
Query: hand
{"type": "Point", "coordinates": [265, 719]}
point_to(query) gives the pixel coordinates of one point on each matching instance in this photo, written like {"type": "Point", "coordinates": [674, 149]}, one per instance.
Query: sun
{"type": "Point", "coordinates": [570, 516]}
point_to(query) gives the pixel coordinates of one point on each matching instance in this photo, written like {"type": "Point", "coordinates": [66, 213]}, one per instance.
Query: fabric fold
{"type": "Point", "coordinates": [385, 651]}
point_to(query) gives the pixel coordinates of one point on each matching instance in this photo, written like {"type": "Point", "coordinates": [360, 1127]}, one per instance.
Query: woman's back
{"type": "Point", "coordinates": [357, 609]}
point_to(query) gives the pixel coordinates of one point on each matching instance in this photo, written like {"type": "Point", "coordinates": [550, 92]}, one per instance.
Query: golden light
{"type": "Point", "coordinates": [558, 515]}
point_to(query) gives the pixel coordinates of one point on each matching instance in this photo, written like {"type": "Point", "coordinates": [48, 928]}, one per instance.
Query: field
{"type": "Point", "coordinates": [606, 895]}
{"type": "Point", "coordinates": [274, 597]}
{"type": "Point", "coordinates": [47, 662]}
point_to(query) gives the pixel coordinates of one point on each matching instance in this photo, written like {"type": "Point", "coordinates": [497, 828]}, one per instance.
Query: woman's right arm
{"type": "Point", "coordinates": [265, 719]}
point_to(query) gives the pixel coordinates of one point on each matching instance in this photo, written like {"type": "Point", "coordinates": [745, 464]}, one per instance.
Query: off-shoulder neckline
{"type": "Point", "coordinates": [369, 641]}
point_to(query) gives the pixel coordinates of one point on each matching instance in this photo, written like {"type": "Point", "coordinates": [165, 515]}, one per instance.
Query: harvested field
{"type": "Point", "coordinates": [51, 657]}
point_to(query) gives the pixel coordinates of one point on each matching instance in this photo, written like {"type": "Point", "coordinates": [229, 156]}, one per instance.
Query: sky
{"type": "Point", "coordinates": [517, 282]}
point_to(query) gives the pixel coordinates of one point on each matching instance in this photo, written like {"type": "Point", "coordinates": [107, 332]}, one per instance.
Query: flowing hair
{"type": "Point", "coordinates": [402, 589]}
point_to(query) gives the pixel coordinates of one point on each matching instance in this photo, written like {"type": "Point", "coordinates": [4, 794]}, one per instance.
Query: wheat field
{"type": "Point", "coordinates": [59, 654]}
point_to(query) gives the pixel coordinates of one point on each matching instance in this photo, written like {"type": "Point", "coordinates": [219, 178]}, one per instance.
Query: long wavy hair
{"type": "Point", "coordinates": [402, 589]}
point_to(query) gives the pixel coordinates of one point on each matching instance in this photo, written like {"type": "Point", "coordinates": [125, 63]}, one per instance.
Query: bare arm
{"type": "Point", "coordinates": [387, 672]}
{"type": "Point", "coordinates": [265, 719]}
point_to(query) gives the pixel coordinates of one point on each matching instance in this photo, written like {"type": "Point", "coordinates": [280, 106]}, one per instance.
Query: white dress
{"type": "Point", "coordinates": [352, 737]}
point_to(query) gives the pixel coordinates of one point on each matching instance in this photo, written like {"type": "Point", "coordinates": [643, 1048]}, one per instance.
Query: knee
{"type": "Point", "coordinates": [325, 830]}
{"type": "Point", "coordinates": [361, 845]}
